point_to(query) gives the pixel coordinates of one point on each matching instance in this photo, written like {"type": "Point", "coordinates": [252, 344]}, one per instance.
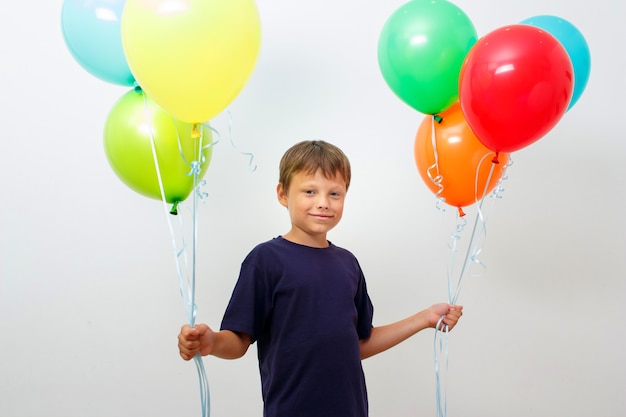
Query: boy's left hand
{"type": "Point", "coordinates": [451, 313]}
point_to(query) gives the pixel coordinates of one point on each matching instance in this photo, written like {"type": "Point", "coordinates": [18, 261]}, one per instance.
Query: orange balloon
{"type": "Point", "coordinates": [459, 170]}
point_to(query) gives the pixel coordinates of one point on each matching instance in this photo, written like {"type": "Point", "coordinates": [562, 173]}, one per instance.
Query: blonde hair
{"type": "Point", "coordinates": [310, 156]}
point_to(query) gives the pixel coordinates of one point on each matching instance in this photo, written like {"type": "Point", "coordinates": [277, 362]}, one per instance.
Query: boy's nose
{"type": "Point", "coordinates": [322, 203]}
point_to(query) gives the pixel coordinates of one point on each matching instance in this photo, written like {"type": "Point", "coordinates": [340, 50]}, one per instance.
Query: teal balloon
{"type": "Point", "coordinates": [130, 129]}
{"type": "Point", "coordinates": [421, 49]}
{"type": "Point", "coordinates": [574, 43]}
{"type": "Point", "coordinates": [92, 33]}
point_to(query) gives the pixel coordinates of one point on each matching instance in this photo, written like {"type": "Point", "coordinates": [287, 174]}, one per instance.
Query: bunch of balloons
{"type": "Point", "coordinates": [186, 60]}
{"type": "Point", "coordinates": [486, 97]}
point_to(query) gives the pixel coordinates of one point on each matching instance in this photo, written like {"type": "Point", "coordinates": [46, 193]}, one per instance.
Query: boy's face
{"type": "Point", "coordinates": [315, 205]}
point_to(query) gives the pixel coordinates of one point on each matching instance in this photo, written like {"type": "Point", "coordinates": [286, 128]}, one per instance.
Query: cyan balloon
{"type": "Point", "coordinates": [92, 33]}
{"type": "Point", "coordinates": [574, 43]}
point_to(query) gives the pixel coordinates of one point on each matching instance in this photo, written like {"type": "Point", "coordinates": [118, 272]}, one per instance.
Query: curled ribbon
{"type": "Point", "coordinates": [436, 177]}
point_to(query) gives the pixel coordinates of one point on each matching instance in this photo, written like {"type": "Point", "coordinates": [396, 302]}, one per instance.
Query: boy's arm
{"type": "Point", "coordinates": [385, 337]}
{"type": "Point", "coordinates": [202, 339]}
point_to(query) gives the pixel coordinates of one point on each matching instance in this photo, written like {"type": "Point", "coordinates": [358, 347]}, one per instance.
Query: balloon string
{"type": "Point", "coordinates": [188, 295]}
{"type": "Point", "coordinates": [441, 343]}
{"type": "Point", "coordinates": [196, 165]}
{"type": "Point", "coordinates": [455, 238]}
{"type": "Point", "coordinates": [202, 377]}
{"type": "Point", "coordinates": [472, 249]}
{"type": "Point", "coordinates": [205, 399]}
{"type": "Point", "coordinates": [499, 188]}
{"type": "Point", "coordinates": [437, 178]}
{"type": "Point", "coordinates": [441, 348]}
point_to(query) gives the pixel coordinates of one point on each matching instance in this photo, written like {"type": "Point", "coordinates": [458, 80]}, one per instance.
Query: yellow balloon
{"type": "Point", "coordinates": [192, 57]}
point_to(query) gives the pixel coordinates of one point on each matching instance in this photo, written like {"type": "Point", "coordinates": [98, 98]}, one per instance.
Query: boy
{"type": "Point", "coordinates": [305, 302]}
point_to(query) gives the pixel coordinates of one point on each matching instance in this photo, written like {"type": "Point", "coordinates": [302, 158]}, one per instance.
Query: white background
{"type": "Point", "coordinates": [89, 301]}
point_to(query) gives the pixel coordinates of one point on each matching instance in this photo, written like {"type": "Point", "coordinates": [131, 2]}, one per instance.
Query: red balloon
{"type": "Point", "coordinates": [515, 85]}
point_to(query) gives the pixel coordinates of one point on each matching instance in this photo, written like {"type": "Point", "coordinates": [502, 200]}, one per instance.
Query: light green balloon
{"type": "Point", "coordinates": [131, 126]}
{"type": "Point", "coordinates": [421, 49]}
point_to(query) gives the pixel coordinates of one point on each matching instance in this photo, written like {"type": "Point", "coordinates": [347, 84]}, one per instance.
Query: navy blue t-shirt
{"type": "Point", "coordinates": [306, 308]}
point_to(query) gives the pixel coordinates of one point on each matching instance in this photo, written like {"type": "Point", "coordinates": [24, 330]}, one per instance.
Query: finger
{"type": "Point", "coordinates": [455, 313]}
{"type": "Point", "coordinates": [186, 356]}
{"type": "Point", "coordinates": [193, 331]}
{"type": "Point", "coordinates": [189, 335]}
{"type": "Point", "coordinates": [450, 319]}
{"type": "Point", "coordinates": [186, 352]}
{"type": "Point", "coordinates": [189, 345]}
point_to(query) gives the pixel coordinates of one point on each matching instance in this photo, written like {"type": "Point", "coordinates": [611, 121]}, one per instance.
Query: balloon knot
{"type": "Point", "coordinates": [495, 159]}
{"type": "Point", "coordinates": [461, 212]}
{"type": "Point", "coordinates": [438, 118]}
{"type": "Point", "coordinates": [174, 210]}
{"type": "Point", "coordinates": [137, 87]}
{"type": "Point", "coordinates": [195, 132]}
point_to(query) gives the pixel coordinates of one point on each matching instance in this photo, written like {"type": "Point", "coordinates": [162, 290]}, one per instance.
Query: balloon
{"type": "Point", "coordinates": [420, 52]}
{"type": "Point", "coordinates": [574, 43]}
{"type": "Point", "coordinates": [127, 143]}
{"type": "Point", "coordinates": [515, 85]}
{"type": "Point", "coordinates": [461, 160]}
{"type": "Point", "coordinates": [192, 57]}
{"type": "Point", "coordinates": [92, 33]}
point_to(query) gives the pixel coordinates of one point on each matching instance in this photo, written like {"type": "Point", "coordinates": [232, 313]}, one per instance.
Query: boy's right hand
{"type": "Point", "coordinates": [192, 339]}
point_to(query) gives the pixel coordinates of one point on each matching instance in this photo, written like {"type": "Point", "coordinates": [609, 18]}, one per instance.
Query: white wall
{"type": "Point", "coordinates": [89, 302]}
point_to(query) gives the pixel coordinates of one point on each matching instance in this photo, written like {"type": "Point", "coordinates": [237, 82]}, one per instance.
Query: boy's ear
{"type": "Point", "coordinates": [281, 194]}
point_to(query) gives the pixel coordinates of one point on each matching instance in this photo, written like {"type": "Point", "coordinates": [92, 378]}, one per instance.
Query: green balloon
{"type": "Point", "coordinates": [131, 126]}
{"type": "Point", "coordinates": [421, 49]}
